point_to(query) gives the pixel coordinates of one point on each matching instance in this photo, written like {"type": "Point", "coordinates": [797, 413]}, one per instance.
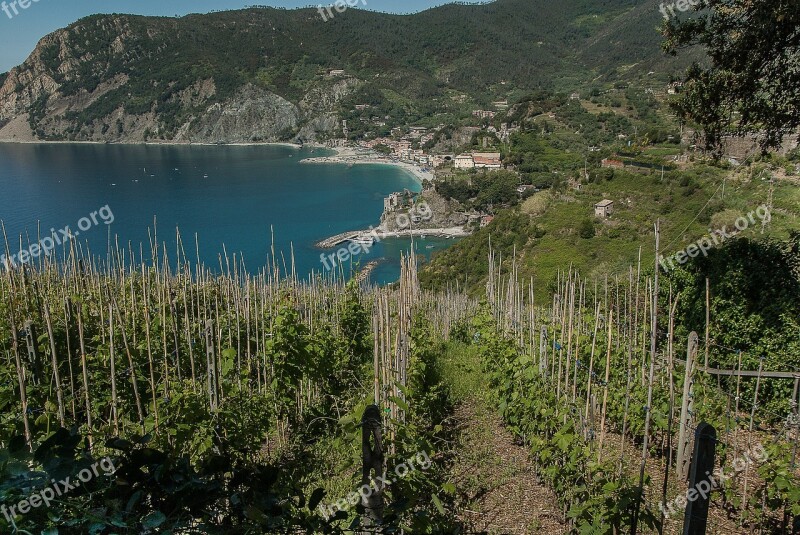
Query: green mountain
{"type": "Point", "coordinates": [264, 73]}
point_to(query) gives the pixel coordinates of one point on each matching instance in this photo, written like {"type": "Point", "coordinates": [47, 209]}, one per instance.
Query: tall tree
{"type": "Point", "coordinates": [751, 85]}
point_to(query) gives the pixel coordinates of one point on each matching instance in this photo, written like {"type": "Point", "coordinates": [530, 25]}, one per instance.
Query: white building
{"type": "Point", "coordinates": [464, 161]}
{"type": "Point", "coordinates": [486, 160]}
{"type": "Point", "coordinates": [604, 208]}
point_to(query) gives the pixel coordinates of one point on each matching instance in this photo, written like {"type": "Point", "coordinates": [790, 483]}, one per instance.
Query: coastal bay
{"type": "Point", "coordinates": [232, 198]}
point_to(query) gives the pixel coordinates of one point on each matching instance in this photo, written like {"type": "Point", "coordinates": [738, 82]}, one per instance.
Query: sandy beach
{"type": "Point", "coordinates": [354, 156]}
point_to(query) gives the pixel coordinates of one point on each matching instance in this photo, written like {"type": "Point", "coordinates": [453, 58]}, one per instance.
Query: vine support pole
{"type": "Point", "coordinates": [373, 458]}
{"type": "Point", "coordinates": [543, 351]}
{"type": "Point", "coordinates": [687, 405]}
{"type": "Point", "coordinates": [605, 388]}
{"type": "Point", "coordinates": [708, 319]}
{"type": "Point", "coordinates": [56, 373]}
{"type": "Point", "coordinates": [648, 409]}
{"type": "Point", "coordinates": [34, 358]}
{"type": "Point", "coordinates": [696, 519]}
{"type": "Point", "coordinates": [211, 363]}
{"type": "Point", "coordinates": [23, 396]}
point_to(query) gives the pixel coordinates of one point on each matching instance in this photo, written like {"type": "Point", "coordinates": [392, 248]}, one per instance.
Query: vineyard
{"type": "Point", "coordinates": [232, 402]}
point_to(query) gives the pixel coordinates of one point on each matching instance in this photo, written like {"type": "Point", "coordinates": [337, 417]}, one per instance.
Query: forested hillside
{"type": "Point", "coordinates": [111, 77]}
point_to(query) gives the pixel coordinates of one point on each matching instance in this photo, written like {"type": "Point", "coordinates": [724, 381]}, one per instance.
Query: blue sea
{"type": "Point", "coordinates": [232, 196]}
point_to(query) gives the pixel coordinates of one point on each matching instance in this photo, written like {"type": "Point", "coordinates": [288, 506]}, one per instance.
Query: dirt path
{"type": "Point", "coordinates": [498, 490]}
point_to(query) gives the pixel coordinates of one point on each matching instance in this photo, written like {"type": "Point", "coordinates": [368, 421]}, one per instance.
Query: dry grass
{"type": "Point", "coordinates": [537, 204]}
{"type": "Point", "coordinates": [499, 493]}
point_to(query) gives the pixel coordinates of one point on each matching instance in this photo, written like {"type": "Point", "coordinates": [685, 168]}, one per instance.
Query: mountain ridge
{"type": "Point", "coordinates": [135, 78]}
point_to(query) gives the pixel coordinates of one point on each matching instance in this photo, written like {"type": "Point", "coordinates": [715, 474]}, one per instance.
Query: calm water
{"type": "Point", "coordinates": [229, 196]}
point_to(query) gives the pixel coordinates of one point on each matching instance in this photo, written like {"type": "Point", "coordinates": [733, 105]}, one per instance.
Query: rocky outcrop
{"type": "Point", "coordinates": [252, 115]}
{"type": "Point", "coordinates": [63, 90]}
{"type": "Point", "coordinates": [432, 210]}
{"type": "Point", "coordinates": [25, 84]}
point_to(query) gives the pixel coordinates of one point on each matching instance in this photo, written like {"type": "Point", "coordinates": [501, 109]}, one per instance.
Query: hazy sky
{"type": "Point", "coordinates": [19, 34]}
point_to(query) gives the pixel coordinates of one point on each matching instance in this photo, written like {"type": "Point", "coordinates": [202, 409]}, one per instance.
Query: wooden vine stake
{"type": "Point", "coordinates": [34, 358]}
{"type": "Point", "coordinates": [114, 403]}
{"type": "Point", "coordinates": [543, 351]}
{"type": "Point", "coordinates": [56, 374]}
{"type": "Point", "coordinates": [211, 361]}
{"type": "Point", "coordinates": [686, 407]}
{"type": "Point", "coordinates": [649, 407]}
{"type": "Point", "coordinates": [23, 397]}
{"type": "Point", "coordinates": [605, 389]}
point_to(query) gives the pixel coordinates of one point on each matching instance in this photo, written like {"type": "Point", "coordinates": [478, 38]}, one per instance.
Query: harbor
{"type": "Point", "coordinates": [379, 234]}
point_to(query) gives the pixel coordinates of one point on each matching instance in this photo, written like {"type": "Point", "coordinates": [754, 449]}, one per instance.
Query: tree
{"type": "Point", "coordinates": [383, 149]}
{"type": "Point", "coordinates": [586, 229]}
{"type": "Point", "coordinates": [753, 82]}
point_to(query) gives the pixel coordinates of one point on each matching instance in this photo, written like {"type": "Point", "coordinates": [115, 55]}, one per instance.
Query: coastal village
{"type": "Point", "coordinates": [455, 162]}
{"type": "Point", "coordinates": [411, 148]}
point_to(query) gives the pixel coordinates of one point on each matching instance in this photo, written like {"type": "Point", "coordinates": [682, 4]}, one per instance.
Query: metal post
{"type": "Point", "coordinates": [372, 452]}
{"type": "Point", "coordinates": [700, 485]}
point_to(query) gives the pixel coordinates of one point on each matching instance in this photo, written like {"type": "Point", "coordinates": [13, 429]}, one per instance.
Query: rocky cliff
{"type": "Point", "coordinates": [67, 89]}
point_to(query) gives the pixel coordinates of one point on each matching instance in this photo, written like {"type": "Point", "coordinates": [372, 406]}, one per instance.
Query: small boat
{"type": "Point", "coordinates": [430, 246]}
{"type": "Point", "coordinates": [423, 236]}
{"type": "Point", "coordinates": [205, 176]}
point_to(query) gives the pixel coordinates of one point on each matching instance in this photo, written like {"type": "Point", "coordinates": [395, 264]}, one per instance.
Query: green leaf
{"type": "Point", "coordinates": [153, 520]}
{"type": "Point", "coordinates": [400, 402]}
{"type": "Point", "coordinates": [438, 503]}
